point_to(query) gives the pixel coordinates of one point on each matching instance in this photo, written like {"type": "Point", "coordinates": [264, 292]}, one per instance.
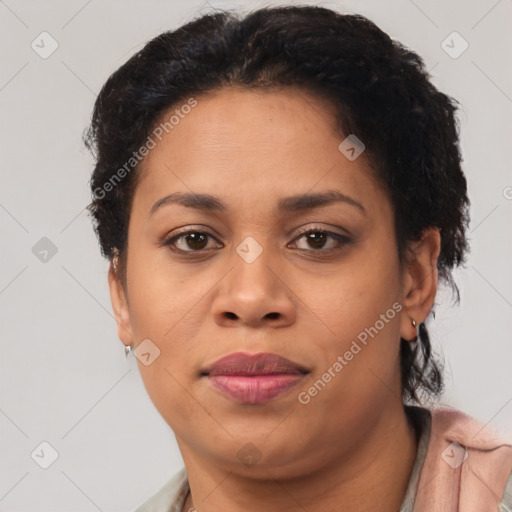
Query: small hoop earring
{"type": "Point", "coordinates": [414, 342]}
{"type": "Point", "coordinates": [128, 350]}
{"type": "Point", "coordinates": [115, 260]}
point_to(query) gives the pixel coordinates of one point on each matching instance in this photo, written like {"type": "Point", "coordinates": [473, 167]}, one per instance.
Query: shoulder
{"type": "Point", "coordinates": [170, 497]}
{"type": "Point", "coordinates": [466, 454]}
{"type": "Point", "coordinates": [454, 425]}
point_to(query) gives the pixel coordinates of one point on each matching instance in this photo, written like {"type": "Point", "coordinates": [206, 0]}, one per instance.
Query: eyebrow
{"type": "Point", "coordinates": [296, 203]}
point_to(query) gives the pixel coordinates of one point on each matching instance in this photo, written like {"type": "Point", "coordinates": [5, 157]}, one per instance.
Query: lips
{"type": "Point", "coordinates": [264, 363]}
{"type": "Point", "coordinates": [253, 379]}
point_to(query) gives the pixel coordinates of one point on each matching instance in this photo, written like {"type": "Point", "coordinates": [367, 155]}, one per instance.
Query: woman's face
{"type": "Point", "coordinates": [249, 280]}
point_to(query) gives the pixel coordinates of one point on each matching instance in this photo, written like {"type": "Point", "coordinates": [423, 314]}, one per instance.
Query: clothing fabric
{"type": "Point", "coordinates": [467, 467]}
{"type": "Point", "coordinates": [461, 465]}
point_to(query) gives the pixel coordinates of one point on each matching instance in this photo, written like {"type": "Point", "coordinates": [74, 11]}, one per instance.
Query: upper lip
{"type": "Point", "coordinates": [264, 363]}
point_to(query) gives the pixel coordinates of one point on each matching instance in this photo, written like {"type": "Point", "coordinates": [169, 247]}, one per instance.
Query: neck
{"type": "Point", "coordinates": [375, 476]}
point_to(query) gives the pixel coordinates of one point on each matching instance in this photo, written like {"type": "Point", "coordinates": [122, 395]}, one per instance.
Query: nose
{"type": "Point", "coordinates": [254, 295]}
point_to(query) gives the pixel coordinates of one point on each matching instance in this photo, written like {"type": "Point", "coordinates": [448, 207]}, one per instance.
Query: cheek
{"type": "Point", "coordinates": [354, 296]}
{"type": "Point", "coordinates": [159, 294]}
{"type": "Point", "coordinates": [357, 314]}
{"type": "Point", "coordinates": [167, 307]}
{"type": "Point", "coordinates": [163, 312]}
{"type": "Point", "coordinates": [170, 395]}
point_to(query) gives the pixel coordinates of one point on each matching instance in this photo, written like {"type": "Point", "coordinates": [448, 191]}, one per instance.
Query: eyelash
{"type": "Point", "coordinates": [341, 241]}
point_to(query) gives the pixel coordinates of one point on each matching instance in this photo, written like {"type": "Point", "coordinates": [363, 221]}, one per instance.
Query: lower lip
{"type": "Point", "coordinates": [254, 390]}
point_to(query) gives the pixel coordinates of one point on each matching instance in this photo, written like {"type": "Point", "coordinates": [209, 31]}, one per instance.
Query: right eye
{"type": "Point", "coordinates": [190, 240]}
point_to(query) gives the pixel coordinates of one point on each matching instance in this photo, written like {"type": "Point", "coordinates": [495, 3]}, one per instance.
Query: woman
{"type": "Point", "coordinates": [278, 196]}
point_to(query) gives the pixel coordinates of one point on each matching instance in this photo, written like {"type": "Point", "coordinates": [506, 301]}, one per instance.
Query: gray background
{"type": "Point", "coordinates": [63, 375]}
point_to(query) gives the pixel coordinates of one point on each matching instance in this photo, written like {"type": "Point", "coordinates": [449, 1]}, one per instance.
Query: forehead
{"type": "Point", "coordinates": [234, 119]}
{"type": "Point", "coordinates": [251, 145]}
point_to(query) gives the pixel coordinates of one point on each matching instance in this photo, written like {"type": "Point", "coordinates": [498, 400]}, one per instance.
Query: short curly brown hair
{"type": "Point", "coordinates": [379, 89]}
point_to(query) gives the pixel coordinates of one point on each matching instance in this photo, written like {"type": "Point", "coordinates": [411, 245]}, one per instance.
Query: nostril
{"type": "Point", "coordinates": [230, 315]}
{"type": "Point", "coordinates": [272, 315]}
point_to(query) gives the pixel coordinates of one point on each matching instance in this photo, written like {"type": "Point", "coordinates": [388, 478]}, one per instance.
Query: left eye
{"type": "Point", "coordinates": [317, 238]}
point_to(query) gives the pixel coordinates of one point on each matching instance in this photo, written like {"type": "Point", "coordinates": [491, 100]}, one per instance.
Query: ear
{"type": "Point", "coordinates": [120, 307]}
{"type": "Point", "coordinates": [419, 281]}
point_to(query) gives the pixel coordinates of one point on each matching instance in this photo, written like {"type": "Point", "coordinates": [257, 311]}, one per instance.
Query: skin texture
{"type": "Point", "coordinates": [351, 446]}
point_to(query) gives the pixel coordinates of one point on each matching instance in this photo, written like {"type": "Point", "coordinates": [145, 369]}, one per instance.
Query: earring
{"type": "Point", "coordinates": [128, 349]}
{"type": "Point", "coordinates": [414, 342]}
{"type": "Point", "coordinates": [115, 259]}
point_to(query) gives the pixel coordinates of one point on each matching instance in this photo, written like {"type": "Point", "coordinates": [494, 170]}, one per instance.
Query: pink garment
{"type": "Point", "coordinates": [466, 467]}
